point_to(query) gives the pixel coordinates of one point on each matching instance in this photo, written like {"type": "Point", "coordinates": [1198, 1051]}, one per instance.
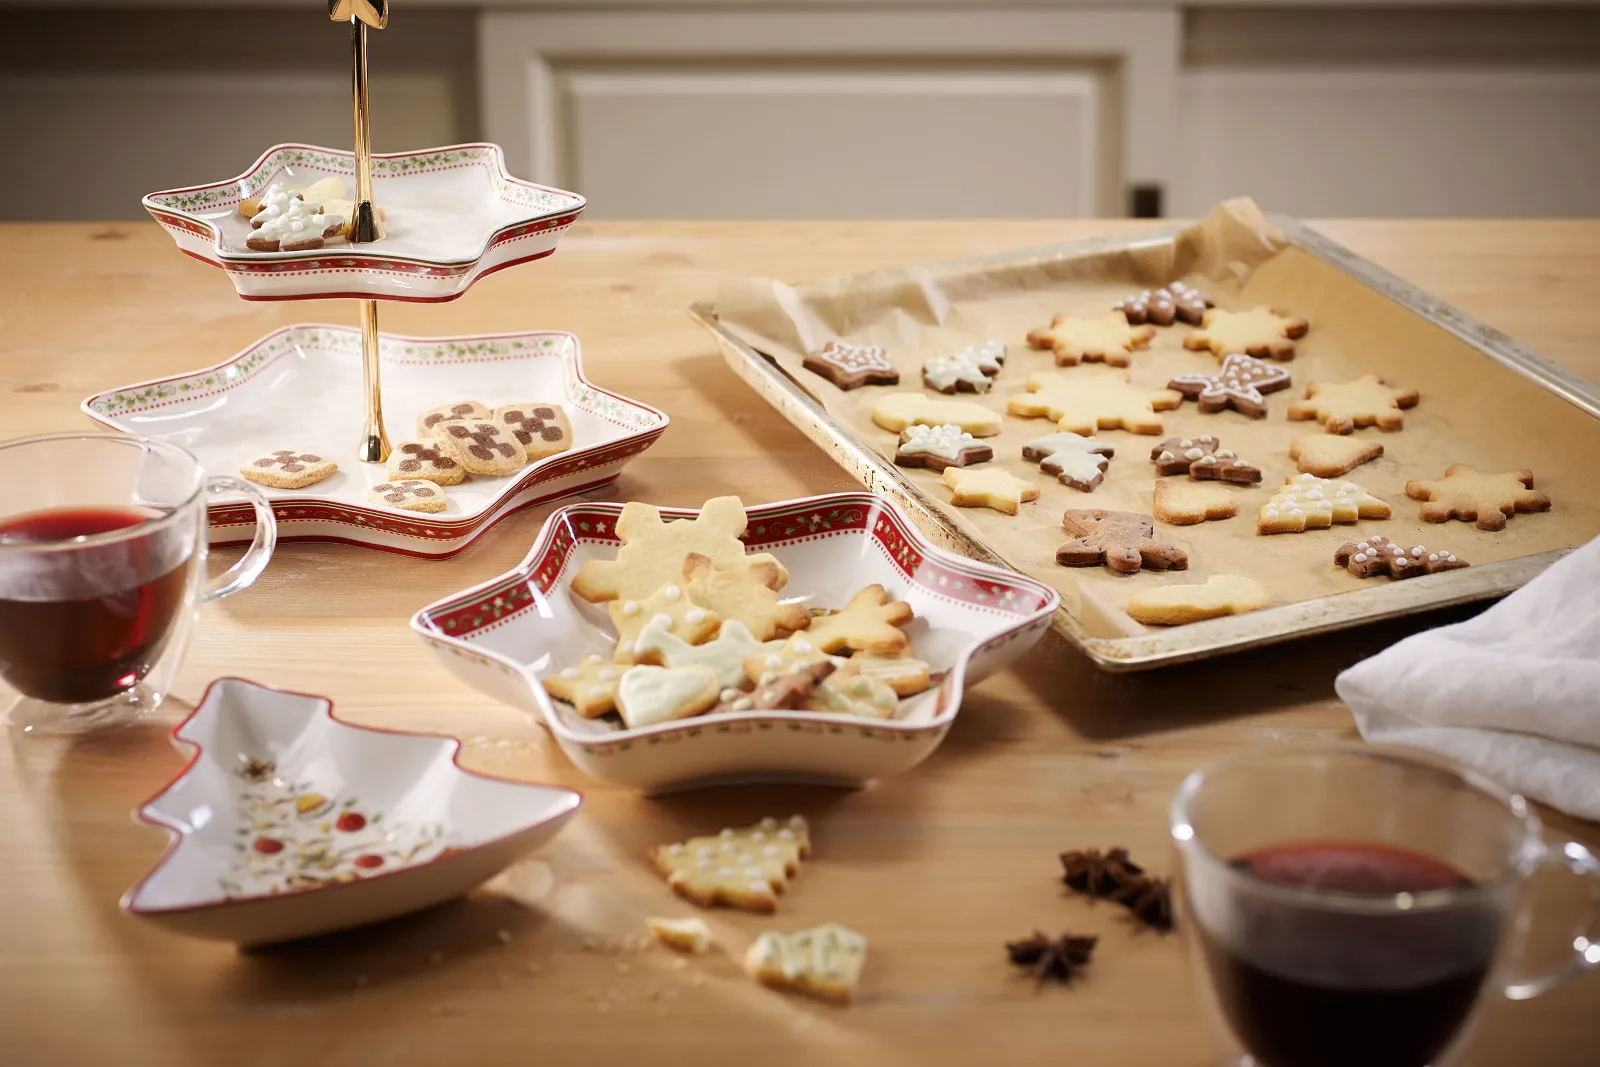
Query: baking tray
{"type": "Point", "coordinates": [1080, 619]}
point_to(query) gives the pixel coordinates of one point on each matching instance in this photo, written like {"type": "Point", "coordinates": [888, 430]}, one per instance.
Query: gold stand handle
{"type": "Point", "coordinates": [374, 445]}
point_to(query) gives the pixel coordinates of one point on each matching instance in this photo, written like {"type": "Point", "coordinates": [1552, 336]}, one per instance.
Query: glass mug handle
{"type": "Point", "coordinates": [1574, 859]}
{"type": "Point", "coordinates": [254, 561]}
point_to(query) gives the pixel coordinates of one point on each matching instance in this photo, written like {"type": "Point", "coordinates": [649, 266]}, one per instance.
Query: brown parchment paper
{"type": "Point", "coordinates": [1473, 410]}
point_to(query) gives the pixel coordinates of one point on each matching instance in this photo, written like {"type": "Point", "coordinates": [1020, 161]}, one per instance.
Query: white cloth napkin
{"type": "Point", "coordinates": [1514, 692]}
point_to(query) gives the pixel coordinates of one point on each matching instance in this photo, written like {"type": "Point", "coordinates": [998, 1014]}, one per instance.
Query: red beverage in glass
{"type": "Point", "coordinates": [94, 633]}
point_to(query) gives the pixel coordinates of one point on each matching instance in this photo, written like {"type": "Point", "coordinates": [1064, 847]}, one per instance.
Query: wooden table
{"type": "Point", "coordinates": [938, 868]}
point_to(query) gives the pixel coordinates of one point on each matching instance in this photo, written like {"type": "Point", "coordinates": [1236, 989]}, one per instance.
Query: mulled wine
{"type": "Point", "coordinates": [88, 622]}
{"type": "Point", "coordinates": [1306, 984]}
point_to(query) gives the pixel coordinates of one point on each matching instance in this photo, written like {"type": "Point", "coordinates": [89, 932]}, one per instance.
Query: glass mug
{"type": "Point", "coordinates": [1346, 906]}
{"type": "Point", "coordinates": [102, 572]}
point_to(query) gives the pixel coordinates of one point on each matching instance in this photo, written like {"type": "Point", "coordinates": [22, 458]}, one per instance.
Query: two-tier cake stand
{"type": "Point", "coordinates": [424, 226]}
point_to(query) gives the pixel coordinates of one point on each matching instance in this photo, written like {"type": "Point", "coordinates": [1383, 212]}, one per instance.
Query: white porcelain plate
{"type": "Point", "coordinates": [287, 822]}
{"type": "Point", "coordinates": [972, 620]}
{"type": "Point", "coordinates": [450, 216]}
{"type": "Point", "coordinates": [300, 388]}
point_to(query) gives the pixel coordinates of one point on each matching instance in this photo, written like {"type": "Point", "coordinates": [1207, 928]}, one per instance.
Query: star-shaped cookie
{"type": "Point", "coordinates": [988, 488]}
{"type": "Point", "coordinates": [1343, 407]}
{"type": "Point", "coordinates": [1468, 494]}
{"type": "Point", "coordinates": [1082, 403]}
{"type": "Point", "coordinates": [1238, 384]}
{"type": "Point", "coordinates": [1257, 332]}
{"type": "Point", "coordinates": [653, 552]}
{"type": "Point", "coordinates": [1104, 339]}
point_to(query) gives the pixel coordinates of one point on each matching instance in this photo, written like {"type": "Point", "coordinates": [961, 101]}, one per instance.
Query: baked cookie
{"type": "Point", "coordinates": [288, 468]}
{"type": "Point", "coordinates": [649, 696]}
{"type": "Point", "coordinates": [847, 691]}
{"type": "Point", "coordinates": [541, 429]}
{"type": "Point", "coordinates": [1083, 403]}
{"type": "Point", "coordinates": [744, 592]}
{"type": "Point", "coordinates": [684, 619]}
{"type": "Point", "coordinates": [744, 868]}
{"type": "Point", "coordinates": [725, 654]}
{"type": "Point", "coordinates": [1306, 502]}
{"type": "Point", "coordinates": [1203, 458]}
{"type": "Point", "coordinates": [423, 460]}
{"type": "Point", "coordinates": [781, 692]}
{"type": "Point", "coordinates": [794, 654]}
{"type": "Point", "coordinates": [1468, 494]}
{"type": "Point", "coordinates": [990, 488]}
{"type": "Point", "coordinates": [1239, 384]}
{"type": "Point", "coordinates": [1104, 339]}
{"type": "Point", "coordinates": [905, 674]}
{"type": "Point", "coordinates": [410, 494]}
{"type": "Point", "coordinates": [1075, 460]}
{"type": "Point", "coordinates": [1329, 455]}
{"type": "Point", "coordinates": [654, 552]}
{"type": "Point", "coordinates": [288, 223]}
{"type": "Point", "coordinates": [691, 936]}
{"type": "Point", "coordinates": [1164, 306]}
{"type": "Point", "coordinates": [462, 409]}
{"type": "Point", "coordinates": [1221, 594]}
{"type": "Point", "coordinates": [938, 447]}
{"type": "Point", "coordinates": [1343, 407]}
{"type": "Point", "coordinates": [1184, 503]}
{"type": "Point", "coordinates": [1121, 540]}
{"type": "Point", "coordinates": [590, 687]}
{"type": "Point", "coordinates": [968, 370]}
{"type": "Point", "coordinates": [852, 366]}
{"type": "Point", "coordinates": [869, 623]}
{"type": "Point", "coordinates": [1379, 555]}
{"type": "Point", "coordinates": [1258, 332]}
{"type": "Point", "coordinates": [898, 410]}
{"type": "Point", "coordinates": [825, 963]}
{"type": "Point", "coordinates": [481, 446]}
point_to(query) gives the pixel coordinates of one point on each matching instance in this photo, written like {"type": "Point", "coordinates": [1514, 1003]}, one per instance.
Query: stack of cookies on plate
{"type": "Point", "coordinates": [698, 627]}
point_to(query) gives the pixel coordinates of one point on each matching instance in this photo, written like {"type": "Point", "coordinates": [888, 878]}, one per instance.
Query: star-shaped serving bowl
{"type": "Point", "coordinates": [287, 822]}
{"type": "Point", "coordinates": [291, 389]}
{"type": "Point", "coordinates": [449, 215]}
{"type": "Point", "coordinates": [502, 636]}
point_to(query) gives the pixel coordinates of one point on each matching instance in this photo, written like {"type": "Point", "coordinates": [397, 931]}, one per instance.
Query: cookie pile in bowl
{"type": "Point", "coordinates": [821, 639]}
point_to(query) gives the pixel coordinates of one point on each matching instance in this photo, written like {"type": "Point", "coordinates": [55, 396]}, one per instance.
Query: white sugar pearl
{"type": "Point", "coordinates": [630, 608]}
{"type": "Point", "coordinates": [672, 592]}
{"type": "Point", "coordinates": [769, 823]}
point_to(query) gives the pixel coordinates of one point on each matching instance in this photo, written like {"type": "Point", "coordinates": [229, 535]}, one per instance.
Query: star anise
{"type": "Point", "coordinates": [1150, 900]}
{"type": "Point", "coordinates": [1057, 958]}
{"type": "Point", "coordinates": [1099, 876]}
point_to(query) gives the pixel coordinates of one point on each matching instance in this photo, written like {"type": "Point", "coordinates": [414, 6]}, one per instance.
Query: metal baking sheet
{"type": "Point", "coordinates": [1080, 620]}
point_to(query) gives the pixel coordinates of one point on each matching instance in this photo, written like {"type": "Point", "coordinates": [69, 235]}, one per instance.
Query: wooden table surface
{"type": "Point", "coordinates": [938, 867]}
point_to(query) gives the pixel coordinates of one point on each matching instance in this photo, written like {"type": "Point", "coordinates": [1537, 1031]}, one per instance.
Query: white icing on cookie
{"type": "Point", "coordinates": [1070, 456]}
{"type": "Point", "coordinates": [973, 365]}
{"type": "Point", "coordinates": [650, 695]}
{"type": "Point", "coordinates": [945, 441]}
{"type": "Point", "coordinates": [299, 221]}
{"type": "Point", "coordinates": [725, 655]}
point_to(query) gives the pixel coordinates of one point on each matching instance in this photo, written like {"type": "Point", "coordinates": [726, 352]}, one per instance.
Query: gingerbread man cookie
{"type": "Point", "coordinates": [1379, 555]}
{"type": "Point", "coordinates": [1175, 605]}
{"type": "Point", "coordinates": [898, 410]}
{"type": "Point", "coordinates": [870, 622]}
{"type": "Point", "coordinates": [852, 366]}
{"type": "Point", "coordinates": [1343, 407]}
{"type": "Point", "coordinates": [1306, 502]}
{"type": "Point", "coordinates": [744, 868]}
{"type": "Point", "coordinates": [462, 409]}
{"type": "Point", "coordinates": [288, 468]}
{"type": "Point", "coordinates": [1075, 460]}
{"type": "Point", "coordinates": [1083, 403]}
{"type": "Point", "coordinates": [744, 592]}
{"type": "Point", "coordinates": [590, 687]}
{"type": "Point", "coordinates": [1328, 455]}
{"type": "Point", "coordinates": [685, 619]}
{"type": "Point", "coordinates": [1104, 339]}
{"type": "Point", "coordinates": [482, 446]}
{"type": "Point", "coordinates": [1186, 503]}
{"type": "Point", "coordinates": [1258, 332]}
{"type": "Point", "coordinates": [410, 494]}
{"type": "Point", "coordinates": [968, 370]}
{"type": "Point", "coordinates": [1121, 540]}
{"type": "Point", "coordinates": [990, 488]}
{"type": "Point", "coordinates": [423, 460]}
{"type": "Point", "coordinates": [1468, 494]}
{"type": "Point", "coordinates": [654, 552]}
{"type": "Point", "coordinates": [938, 447]}
{"type": "Point", "coordinates": [1164, 306]}
{"type": "Point", "coordinates": [541, 429]}
{"type": "Point", "coordinates": [1239, 384]}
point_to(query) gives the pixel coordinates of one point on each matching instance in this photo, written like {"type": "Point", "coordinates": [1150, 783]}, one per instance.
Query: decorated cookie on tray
{"type": "Point", "coordinates": [699, 628]}
{"type": "Point", "coordinates": [1174, 302]}
{"type": "Point", "coordinates": [968, 371]}
{"type": "Point", "coordinates": [851, 366]}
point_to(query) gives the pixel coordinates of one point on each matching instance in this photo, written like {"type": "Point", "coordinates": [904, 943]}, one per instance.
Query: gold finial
{"type": "Point", "coordinates": [374, 13]}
